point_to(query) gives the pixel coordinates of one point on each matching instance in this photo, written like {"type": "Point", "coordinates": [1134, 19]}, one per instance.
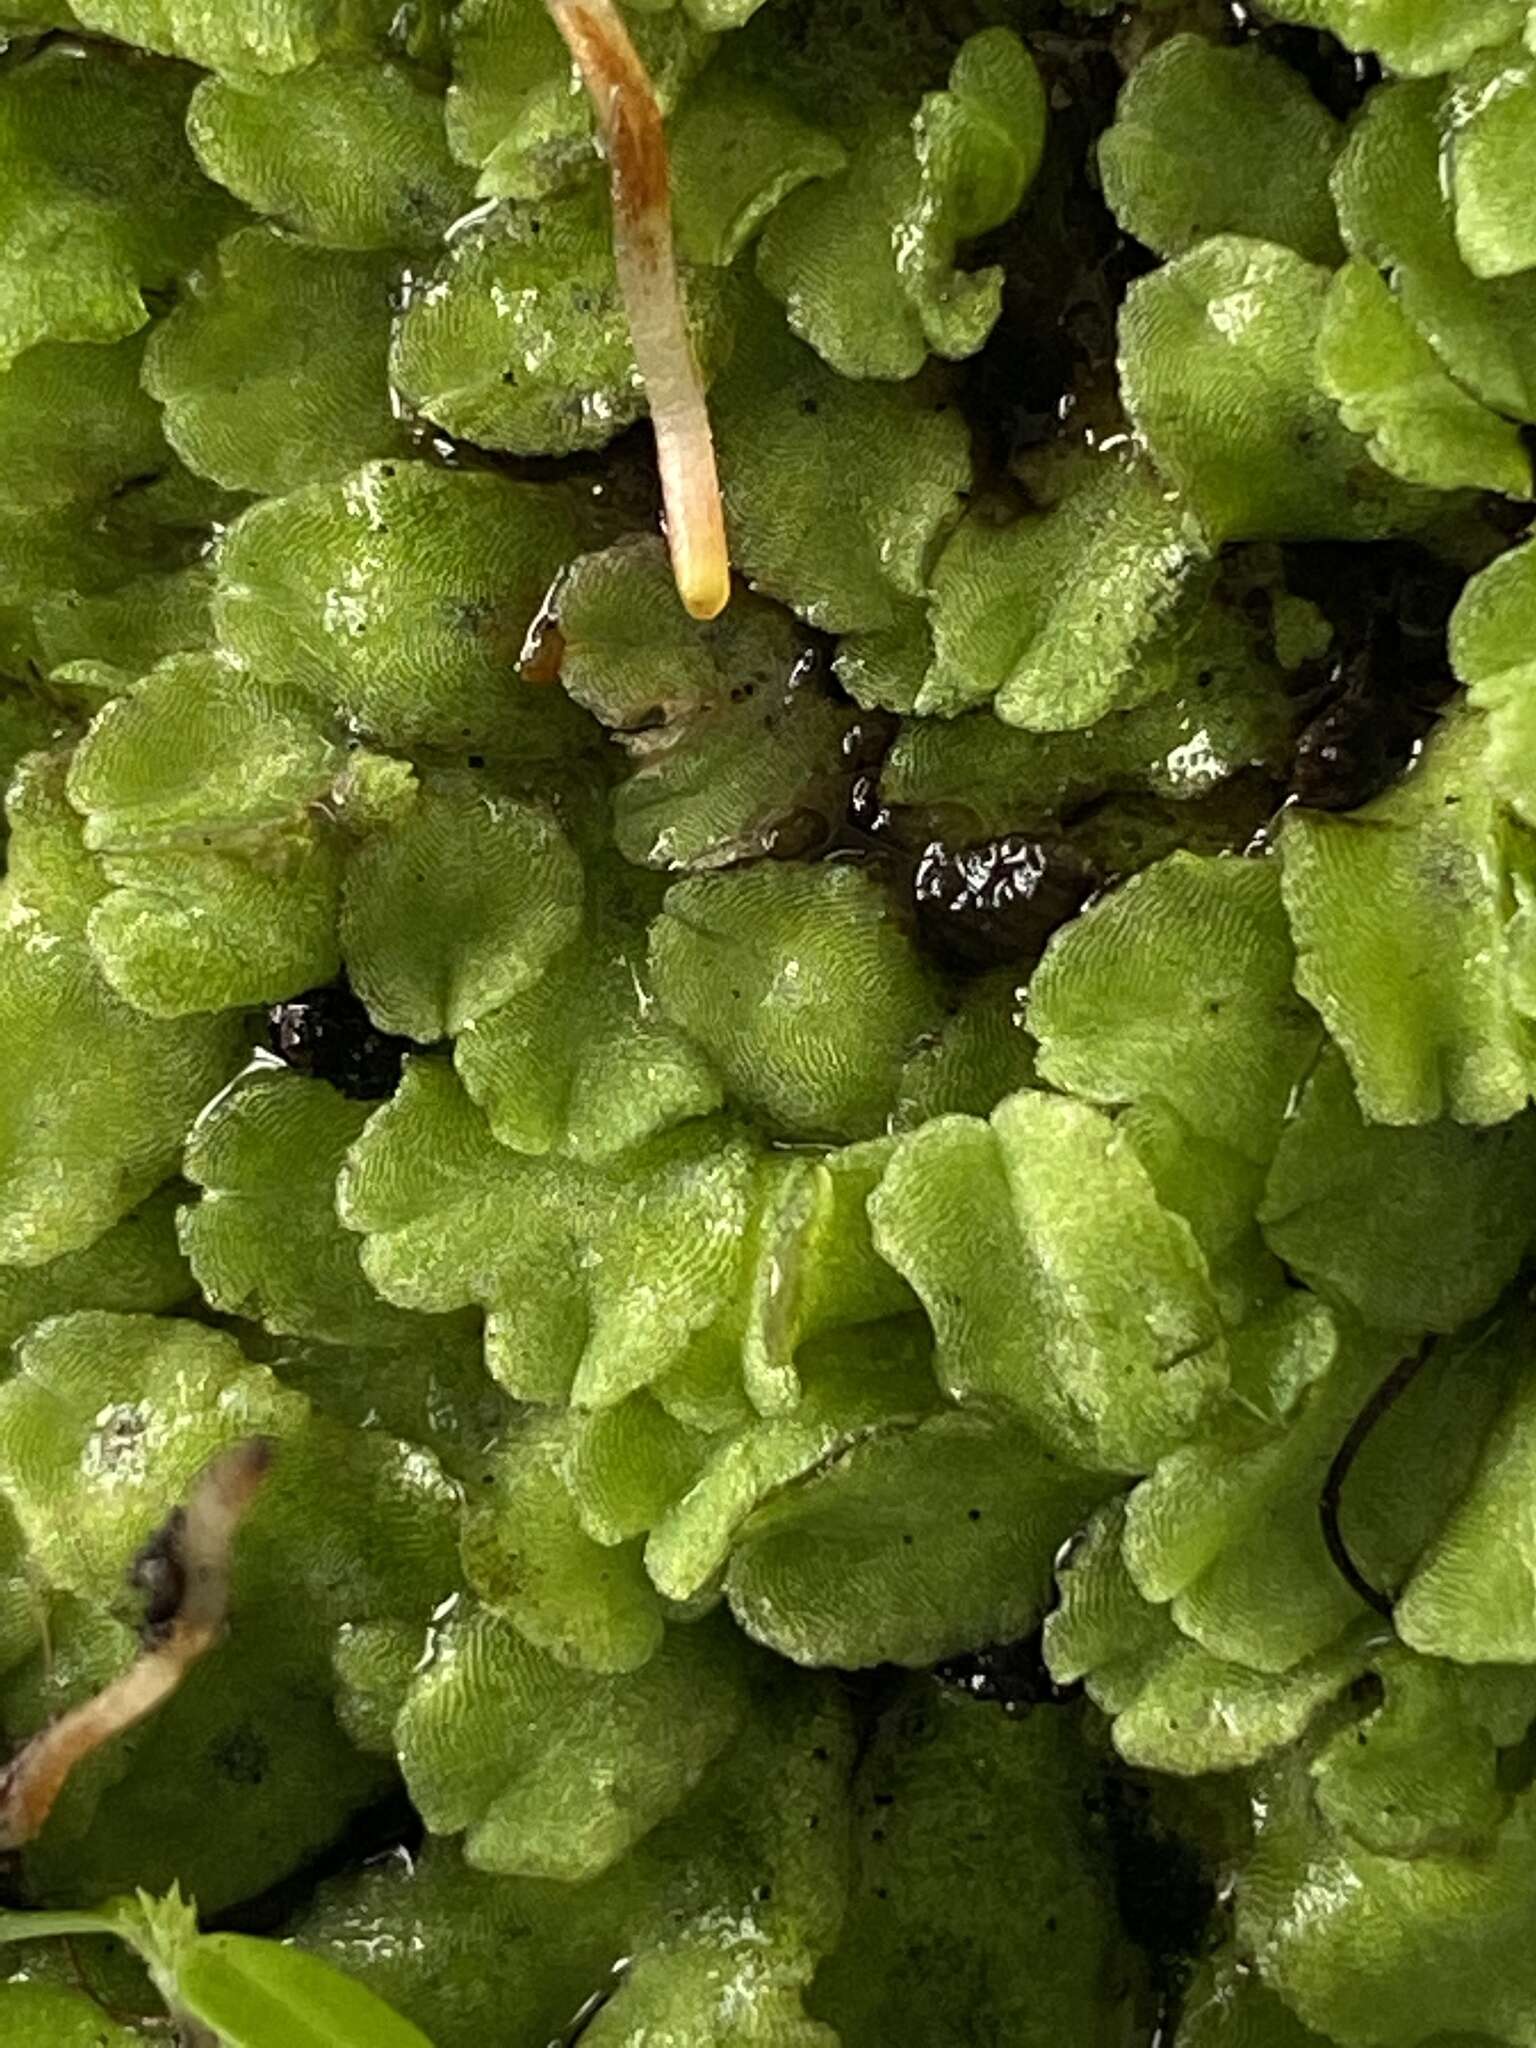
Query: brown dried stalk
{"type": "Point", "coordinates": [191, 1554]}
{"type": "Point", "coordinates": [631, 125]}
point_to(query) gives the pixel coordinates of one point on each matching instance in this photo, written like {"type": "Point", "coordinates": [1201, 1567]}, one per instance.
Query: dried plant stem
{"type": "Point", "coordinates": [631, 125]}
{"type": "Point", "coordinates": [203, 1540]}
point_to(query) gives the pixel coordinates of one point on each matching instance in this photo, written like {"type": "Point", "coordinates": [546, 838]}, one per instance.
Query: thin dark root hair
{"type": "Point", "coordinates": [1396, 1383]}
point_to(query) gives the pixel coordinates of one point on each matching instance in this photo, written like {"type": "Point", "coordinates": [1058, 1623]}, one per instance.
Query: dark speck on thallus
{"type": "Point", "coordinates": [327, 1034]}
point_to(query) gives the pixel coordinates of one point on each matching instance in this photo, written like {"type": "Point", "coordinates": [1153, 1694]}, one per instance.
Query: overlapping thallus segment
{"type": "Point", "coordinates": [905, 1133]}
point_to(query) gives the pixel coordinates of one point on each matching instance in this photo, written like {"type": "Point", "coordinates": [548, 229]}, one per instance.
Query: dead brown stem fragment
{"type": "Point", "coordinates": [191, 1554]}
{"type": "Point", "coordinates": [631, 125]}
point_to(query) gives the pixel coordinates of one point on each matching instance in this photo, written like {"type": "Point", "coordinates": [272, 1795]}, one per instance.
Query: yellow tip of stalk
{"type": "Point", "coordinates": [704, 596]}
{"type": "Point", "coordinates": [690, 495]}
{"type": "Point", "coordinates": [630, 118]}
{"type": "Point", "coordinates": [701, 563]}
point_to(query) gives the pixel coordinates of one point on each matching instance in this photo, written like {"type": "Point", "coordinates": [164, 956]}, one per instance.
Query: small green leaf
{"type": "Point", "coordinates": [1177, 1707]}
{"type": "Point", "coordinates": [1376, 1949]}
{"type": "Point", "coordinates": [1217, 373]}
{"type": "Point", "coordinates": [1468, 1597]}
{"type": "Point", "coordinates": [264, 1994]}
{"type": "Point", "coordinates": [1226, 1530]}
{"type": "Point", "coordinates": [1055, 1280]}
{"type": "Point", "coordinates": [855, 1385]}
{"type": "Point", "coordinates": [528, 1557]}
{"type": "Point", "coordinates": [182, 933]}
{"type": "Point", "coordinates": [581, 1061]}
{"type": "Point", "coordinates": [1227, 705]}
{"type": "Point", "coordinates": [1418, 1775]}
{"type": "Point", "coordinates": [800, 985]}
{"type": "Point", "coordinates": [103, 199]}
{"type": "Point", "coordinates": [864, 262]}
{"type": "Point", "coordinates": [556, 1772]}
{"type": "Point", "coordinates": [349, 152]}
{"type": "Point", "coordinates": [1378, 899]}
{"type": "Point", "coordinates": [1493, 653]}
{"type": "Point", "coordinates": [396, 602]}
{"type": "Point", "coordinates": [738, 149]}
{"type": "Point", "coordinates": [829, 257]}
{"type": "Point", "coordinates": [908, 1544]}
{"type": "Point", "coordinates": [197, 747]}
{"type": "Point", "coordinates": [83, 550]}
{"type": "Point", "coordinates": [135, 1267]}
{"type": "Point", "coordinates": [625, 1466]}
{"type": "Point", "coordinates": [1393, 388]}
{"type": "Point", "coordinates": [1210, 140]}
{"type": "Point", "coordinates": [1177, 988]}
{"type": "Point", "coordinates": [835, 492]}
{"type": "Point", "coordinates": [264, 1240]}
{"type": "Point", "coordinates": [814, 1267]}
{"type": "Point", "coordinates": [1414, 1228]}
{"type": "Point", "coordinates": [74, 423]}
{"type": "Point", "coordinates": [597, 1278]}
{"type": "Point", "coordinates": [1417, 1465]}
{"type": "Point", "coordinates": [1057, 617]}
{"type": "Point", "coordinates": [457, 908]}
{"type": "Point", "coordinates": [272, 369]}
{"type": "Point", "coordinates": [1395, 212]}
{"type": "Point", "coordinates": [1490, 122]}
{"type": "Point", "coordinates": [28, 725]}
{"type": "Point", "coordinates": [728, 726]}
{"type": "Point", "coordinates": [95, 1098]}
{"type": "Point", "coordinates": [197, 789]}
